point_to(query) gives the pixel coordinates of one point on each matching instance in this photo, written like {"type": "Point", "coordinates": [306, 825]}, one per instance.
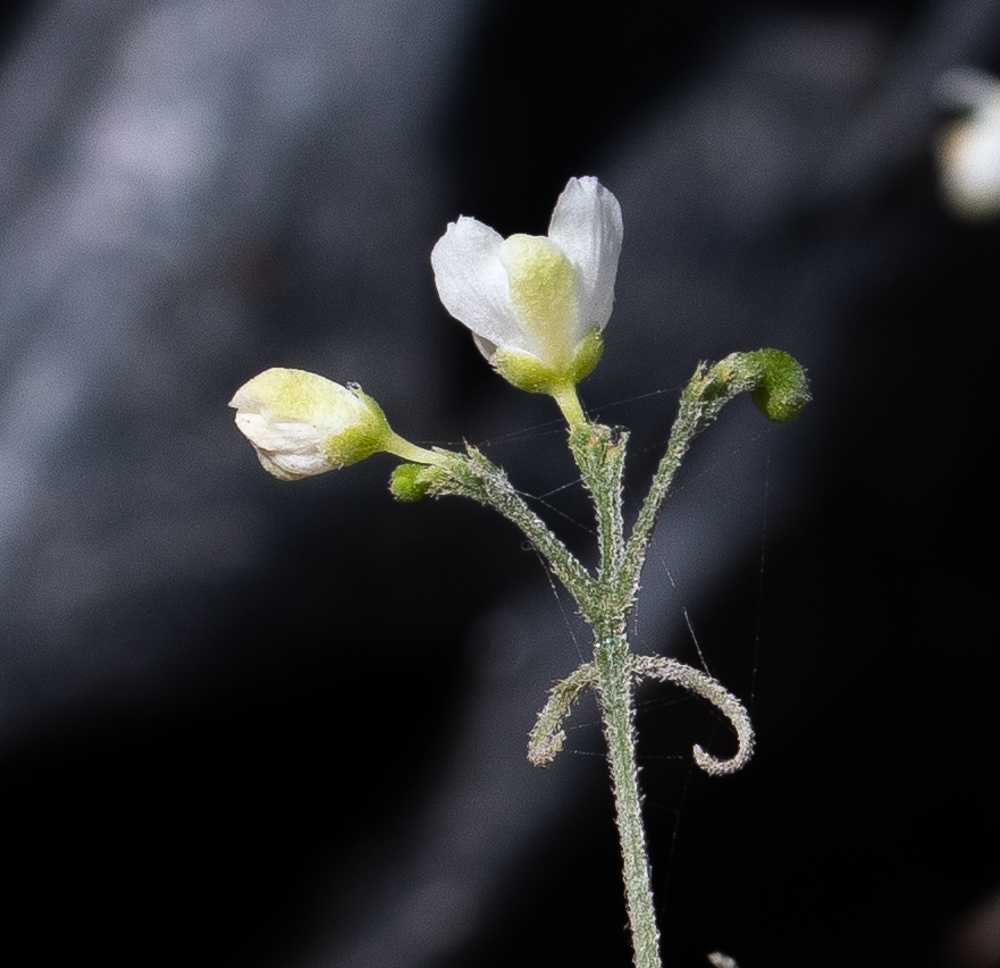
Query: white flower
{"type": "Point", "coordinates": [969, 150]}
{"type": "Point", "coordinates": [537, 304]}
{"type": "Point", "coordinates": [303, 424]}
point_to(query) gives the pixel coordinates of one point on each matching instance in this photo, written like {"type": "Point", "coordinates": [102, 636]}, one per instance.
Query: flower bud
{"type": "Point", "coordinates": [775, 380]}
{"type": "Point", "coordinates": [405, 483]}
{"type": "Point", "coordinates": [302, 424]}
{"type": "Point", "coordinates": [782, 389]}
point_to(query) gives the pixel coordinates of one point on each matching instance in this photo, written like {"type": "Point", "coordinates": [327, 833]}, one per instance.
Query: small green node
{"type": "Point", "coordinates": [405, 484]}
{"type": "Point", "coordinates": [783, 390]}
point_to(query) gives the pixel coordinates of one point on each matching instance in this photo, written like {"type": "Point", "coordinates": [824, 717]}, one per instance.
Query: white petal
{"type": "Point", "coordinates": [587, 225]}
{"type": "Point", "coordinates": [294, 465]}
{"type": "Point", "coordinates": [281, 436]}
{"type": "Point", "coordinates": [472, 281]}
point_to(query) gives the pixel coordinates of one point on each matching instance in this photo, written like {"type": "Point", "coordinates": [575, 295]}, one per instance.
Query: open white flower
{"type": "Point", "coordinates": [537, 304]}
{"type": "Point", "coordinates": [302, 424]}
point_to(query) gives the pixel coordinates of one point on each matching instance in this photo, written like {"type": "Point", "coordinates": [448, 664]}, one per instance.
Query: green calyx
{"type": "Point", "coordinates": [528, 373]}
{"type": "Point", "coordinates": [368, 435]}
{"type": "Point", "coordinates": [352, 445]}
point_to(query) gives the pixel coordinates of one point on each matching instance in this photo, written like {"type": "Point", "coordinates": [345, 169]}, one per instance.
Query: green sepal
{"type": "Point", "coordinates": [406, 483]}
{"type": "Point", "coordinates": [527, 372]}
{"type": "Point", "coordinates": [355, 443]}
{"type": "Point", "coordinates": [588, 355]}
{"type": "Point", "coordinates": [352, 445]}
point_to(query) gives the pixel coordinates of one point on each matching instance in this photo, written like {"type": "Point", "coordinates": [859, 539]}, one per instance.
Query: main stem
{"type": "Point", "coordinates": [611, 658]}
{"type": "Point", "coordinates": [605, 599]}
{"type": "Point", "coordinates": [600, 454]}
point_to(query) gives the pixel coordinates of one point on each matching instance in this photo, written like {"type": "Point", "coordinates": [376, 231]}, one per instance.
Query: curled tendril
{"type": "Point", "coordinates": [669, 670]}
{"type": "Point", "coordinates": [546, 738]}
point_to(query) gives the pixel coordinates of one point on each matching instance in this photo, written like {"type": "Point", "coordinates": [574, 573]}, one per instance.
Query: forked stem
{"type": "Point", "coordinates": [606, 595]}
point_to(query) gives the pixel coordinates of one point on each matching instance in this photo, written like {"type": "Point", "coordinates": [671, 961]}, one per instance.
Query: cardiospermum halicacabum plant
{"type": "Point", "coordinates": [537, 307]}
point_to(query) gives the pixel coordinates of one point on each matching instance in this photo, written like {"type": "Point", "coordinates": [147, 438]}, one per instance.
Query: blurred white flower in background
{"type": "Point", "coordinates": [968, 151]}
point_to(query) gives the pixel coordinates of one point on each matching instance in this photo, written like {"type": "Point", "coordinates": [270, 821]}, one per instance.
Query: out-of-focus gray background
{"type": "Point", "coordinates": [282, 726]}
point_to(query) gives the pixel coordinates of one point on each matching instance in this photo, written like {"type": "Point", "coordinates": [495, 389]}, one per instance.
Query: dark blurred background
{"type": "Point", "coordinates": [283, 726]}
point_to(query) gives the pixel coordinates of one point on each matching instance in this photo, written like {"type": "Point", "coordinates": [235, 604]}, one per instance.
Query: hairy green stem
{"type": "Point", "coordinates": [474, 476]}
{"type": "Point", "coordinates": [547, 737]}
{"type": "Point", "coordinates": [690, 419]}
{"type": "Point", "coordinates": [599, 453]}
{"type": "Point", "coordinates": [615, 690]}
{"type": "Point", "coordinates": [780, 391]}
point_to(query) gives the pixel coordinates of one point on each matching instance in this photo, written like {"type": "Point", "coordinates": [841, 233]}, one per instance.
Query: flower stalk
{"type": "Point", "coordinates": [615, 694]}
